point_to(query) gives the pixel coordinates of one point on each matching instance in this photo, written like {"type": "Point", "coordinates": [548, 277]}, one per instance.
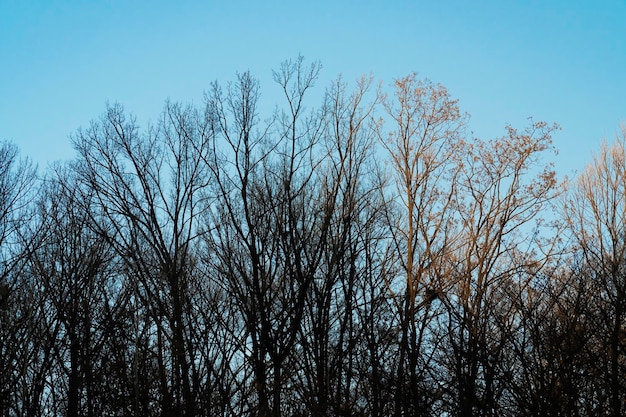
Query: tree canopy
{"type": "Point", "coordinates": [364, 255]}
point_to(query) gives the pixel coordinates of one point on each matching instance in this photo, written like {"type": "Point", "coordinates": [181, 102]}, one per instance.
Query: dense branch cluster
{"type": "Point", "coordinates": [361, 257]}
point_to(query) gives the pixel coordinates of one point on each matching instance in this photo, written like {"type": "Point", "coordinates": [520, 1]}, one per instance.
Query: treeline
{"type": "Point", "coordinates": [362, 256]}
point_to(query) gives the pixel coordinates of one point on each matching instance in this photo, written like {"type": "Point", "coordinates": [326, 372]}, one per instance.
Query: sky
{"type": "Point", "coordinates": [505, 61]}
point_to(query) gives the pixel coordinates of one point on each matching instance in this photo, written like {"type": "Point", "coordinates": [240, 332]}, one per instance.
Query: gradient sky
{"type": "Point", "coordinates": [558, 61]}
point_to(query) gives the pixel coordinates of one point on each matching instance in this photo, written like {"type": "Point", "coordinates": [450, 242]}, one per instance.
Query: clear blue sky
{"type": "Point", "coordinates": [558, 61]}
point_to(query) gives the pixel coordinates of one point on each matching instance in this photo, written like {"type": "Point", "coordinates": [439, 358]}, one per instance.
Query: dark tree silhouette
{"type": "Point", "coordinates": [357, 256]}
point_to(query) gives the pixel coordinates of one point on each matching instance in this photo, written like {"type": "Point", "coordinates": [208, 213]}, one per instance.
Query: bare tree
{"type": "Point", "coordinates": [330, 335]}
{"type": "Point", "coordinates": [17, 188]}
{"type": "Point", "coordinates": [69, 263]}
{"type": "Point", "coordinates": [502, 191]}
{"type": "Point", "coordinates": [270, 224]}
{"type": "Point", "coordinates": [149, 191]}
{"type": "Point", "coordinates": [547, 363]}
{"type": "Point", "coordinates": [360, 257]}
{"type": "Point", "coordinates": [595, 212]}
{"type": "Point", "coordinates": [426, 128]}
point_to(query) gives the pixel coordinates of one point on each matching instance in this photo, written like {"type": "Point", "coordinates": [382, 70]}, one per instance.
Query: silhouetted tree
{"type": "Point", "coordinates": [595, 213]}
{"type": "Point", "coordinates": [70, 264]}
{"type": "Point", "coordinates": [271, 220]}
{"type": "Point", "coordinates": [149, 191]}
{"type": "Point", "coordinates": [18, 184]}
{"type": "Point", "coordinates": [356, 256]}
{"type": "Point", "coordinates": [501, 191]}
{"type": "Point", "coordinates": [330, 338]}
